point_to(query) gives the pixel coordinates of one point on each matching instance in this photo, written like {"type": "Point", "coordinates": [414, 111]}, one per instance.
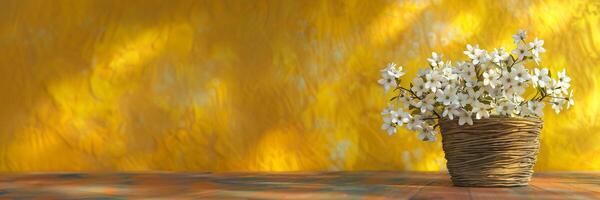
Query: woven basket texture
{"type": "Point", "coordinates": [493, 152]}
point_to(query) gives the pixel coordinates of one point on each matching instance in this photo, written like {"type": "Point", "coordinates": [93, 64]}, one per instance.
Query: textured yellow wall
{"type": "Point", "coordinates": [259, 85]}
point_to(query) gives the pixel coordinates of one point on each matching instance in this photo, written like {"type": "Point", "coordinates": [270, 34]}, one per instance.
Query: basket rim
{"type": "Point", "coordinates": [494, 117]}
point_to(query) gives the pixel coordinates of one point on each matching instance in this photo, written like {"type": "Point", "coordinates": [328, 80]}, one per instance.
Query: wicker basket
{"type": "Point", "coordinates": [493, 152]}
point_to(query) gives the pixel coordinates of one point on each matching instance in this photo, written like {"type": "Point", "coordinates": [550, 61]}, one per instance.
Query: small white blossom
{"type": "Point", "coordinates": [464, 117]}
{"type": "Point", "coordinates": [499, 56]}
{"type": "Point", "coordinates": [481, 110]}
{"type": "Point", "coordinates": [470, 52]}
{"type": "Point", "coordinates": [474, 95]}
{"type": "Point", "coordinates": [435, 60]}
{"type": "Point", "coordinates": [520, 73]}
{"type": "Point", "coordinates": [521, 51]}
{"type": "Point", "coordinates": [540, 77]}
{"type": "Point", "coordinates": [387, 111]}
{"type": "Point", "coordinates": [448, 73]}
{"type": "Point", "coordinates": [393, 71]}
{"type": "Point", "coordinates": [557, 104]}
{"type": "Point", "coordinates": [399, 117]}
{"type": "Point", "coordinates": [423, 72]}
{"type": "Point", "coordinates": [490, 78]}
{"type": "Point", "coordinates": [507, 80]}
{"type": "Point", "coordinates": [564, 81]}
{"type": "Point", "coordinates": [418, 86]}
{"type": "Point", "coordinates": [570, 101]}
{"type": "Point", "coordinates": [427, 103]}
{"type": "Point", "coordinates": [520, 36]}
{"type": "Point", "coordinates": [554, 88]}
{"type": "Point", "coordinates": [427, 133]}
{"type": "Point", "coordinates": [505, 108]}
{"type": "Point", "coordinates": [469, 76]}
{"type": "Point", "coordinates": [481, 57]}
{"type": "Point", "coordinates": [389, 126]}
{"type": "Point", "coordinates": [461, 67]}
{"type": "Point", "coordinates": [464, 99]}
{"type": "Point", "coordinates": [433, 80]}
{"type": "Point", "coordinates": [389, 76]}
{"type": "Point", "coordinates": [537, 46]}
{"type": "Point", "coordinates": [387, 81]}
{"type": "Point", "coordinates": [536, 108]}
{"type": "Point", "coordinates": [414, 124]}
{"type": "Point", "coordinates": [517, 89]}
{"type": "Point", "coordinates": [447, 97]}
{"type": "Point", "coordinates": [450, 111]}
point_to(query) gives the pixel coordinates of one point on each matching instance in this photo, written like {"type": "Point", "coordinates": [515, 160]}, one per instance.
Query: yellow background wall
{"type": "Point", "coordinates": [259, 85]}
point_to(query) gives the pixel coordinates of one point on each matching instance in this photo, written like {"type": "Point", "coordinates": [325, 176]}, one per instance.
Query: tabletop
{"type": "Point", "coordinates": [301, 185]}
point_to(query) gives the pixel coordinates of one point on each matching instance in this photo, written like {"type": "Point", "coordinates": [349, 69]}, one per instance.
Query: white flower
{"type": "Point", "coordinates": [564, 81]}
{"type": "Point", "coordinates": [523, 110]}
{"type": "Point", "coordinates": [507, 80]}
{"type": "Point", "coordinates": [470, 76]}
{"type": "Point", "coordinates": [399, 117]}
{"type": "Point", "coordinates": [387, 81]}
{"type": "Point", "coordinates": [499, 56]}
{"type": "Point", "coordinates": [461, 67]}
{"type": "Point", "coordinates": [520, 73]}
{"type": "Point", "coordinates": [554, 88]}
{"type": "Point", "coordinates": [427, 133]}
{"type": "Point", "coordinates": [387, 111]}
{"type": "Point", "coordinates": [521, 51]}
{"type": "Point", "coordinates": [481, 110]}
{"type": "Point", "coordinates": [557, 104]}
{"type": "Point", "coordinates": [537, 46]}
{"type": "Point", "coordinates": [470, 52]}
{"type": "Point", "coordinates": [448, 96]}
{"type": "Point", "coordinates": [423, 72]}
{"type": "Point", "coordinates": [404, 99]}
{"type": "Point", "coordinates": [464, 117]}
{"type": "Point", "coordinates": [433, 80]}
{"type": "Point", "coordinates": [505, 108]}
{"type": "Point", "coordinates": [414, 123]}
{"type": "Point", "coordinates": [464, 99]}
{"type": "Point", "coordinates": [496, 93]}
{"type": "Point", "coordinates": [481, 57]}
{"type": "Point", "coordinates": [418, 86]}
{"type": "Point", "coordinates": [520, 36]}
{"type": "Point", "coordinates": [570, 101]}
{"type": "Point", "coordinates": [392, 71]}
{"type": "Point", "coordinates": [540, 77]}
{"type": "Point", "coordinates": [474, 95]}
{"type": "Point", "coordinates": [389, 76]}
{"type": "Point", "coordinates": [448, 73]}
{"type": "Point", "coordinates": [389, 126]}
{"type": "Point", "coordinates": [450, 111]}
{"type": "Point", "coordinates": [536, 108]}
{"type": "Point", "coordinates": [517, 99]}
{"type": "Point", "coordinates": [536, 58]}
{"type": "Point", "coordinates": [517, 89]}
{"type": "Point", "coordinates": [427, 103]}
{"type": "Point", "coordinates": [435, 60]}
{"type": "Point", "coordinates": [490, 78]}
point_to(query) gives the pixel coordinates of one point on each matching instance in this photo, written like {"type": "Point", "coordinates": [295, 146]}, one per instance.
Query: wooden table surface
{"type": "Point", "coordinates": [325, 185]}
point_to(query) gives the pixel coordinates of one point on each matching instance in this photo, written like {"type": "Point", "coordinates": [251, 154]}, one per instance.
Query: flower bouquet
{"type": "Point", "coordinates": [487, 108]}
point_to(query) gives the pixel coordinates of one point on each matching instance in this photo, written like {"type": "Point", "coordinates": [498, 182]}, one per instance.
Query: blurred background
{"type": "Point", "coordinates": [112, 85]}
